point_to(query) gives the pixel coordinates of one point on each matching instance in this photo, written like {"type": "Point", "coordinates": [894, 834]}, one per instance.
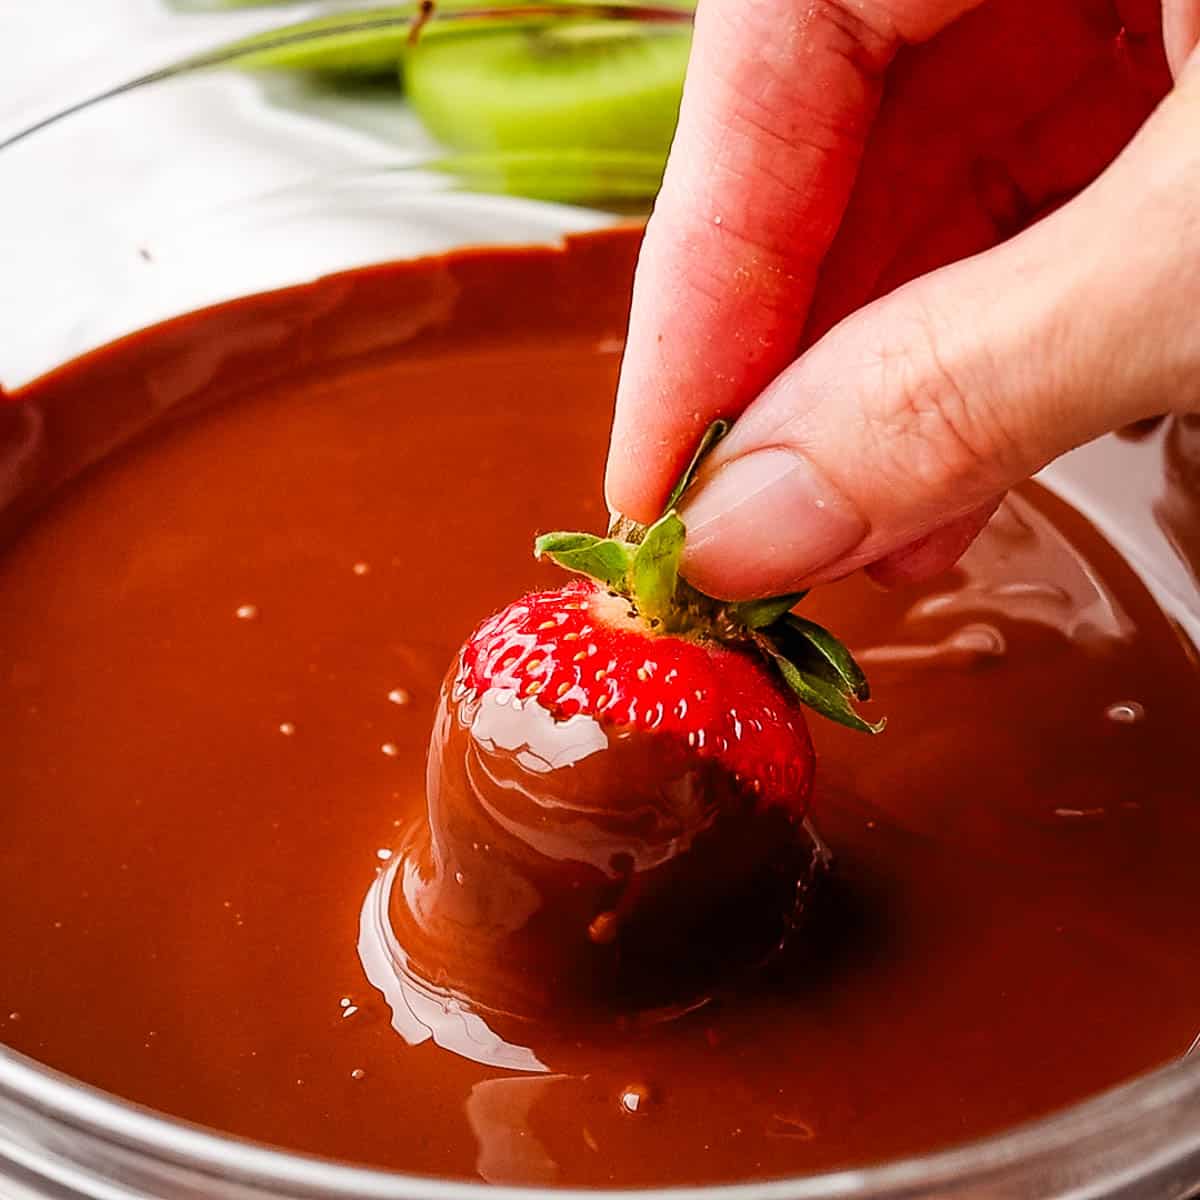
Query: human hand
{"type": "Point", "coordinates": [825, 156]}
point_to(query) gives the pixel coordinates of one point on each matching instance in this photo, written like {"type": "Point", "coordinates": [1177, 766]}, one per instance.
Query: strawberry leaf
{"type": "Point", "coordinates": [607, 560]}
{"type": "Point", "coordinates": [628, 530]}
{"type": "Point", "coordinates": [813, 646]}
{"type": "Point", "coordinates": [712, 435]}
{"type": "Point", "coordinates": [656, 567]}
{"type": "Point", "coordinates": [820, 694]}
{"type": "Point", "coordinates": [758, 614]}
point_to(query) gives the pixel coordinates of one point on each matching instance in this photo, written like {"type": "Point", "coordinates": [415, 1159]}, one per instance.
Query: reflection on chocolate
{"type": "Point", "coordinates": [21, 438]}
{"type": "Point", "coordinates": [508, 1152]}
{"type": "Point", "coordinates": [1178, 510]}
{"type": "Point", "coordinates": [420, 1010]}
{"type": "Point", "coordinates": [188, 896]}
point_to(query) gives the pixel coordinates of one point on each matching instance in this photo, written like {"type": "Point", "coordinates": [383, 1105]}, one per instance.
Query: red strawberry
{"type": "Point", "coordinates": [581, 649]}
{"type": "Point", "coordinates": [617, 785]}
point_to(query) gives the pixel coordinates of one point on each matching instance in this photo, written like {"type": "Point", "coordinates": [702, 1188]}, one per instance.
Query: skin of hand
{"type": "Point", "coordinates": [918, 248]}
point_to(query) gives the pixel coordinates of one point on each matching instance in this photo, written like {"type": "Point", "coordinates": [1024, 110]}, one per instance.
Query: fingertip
{"type": "Point", "coordinates": [645, 456]}
{"type": "Point", "coordinates": [934, 553]}
{"type": "Point", "coordinates": [664, 399]}
{"type": "Point", "coordinates": [624, 490]}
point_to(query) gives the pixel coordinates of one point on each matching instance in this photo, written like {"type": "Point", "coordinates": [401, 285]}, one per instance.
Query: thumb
{"type": "Point", "coordinates": [917, 411]}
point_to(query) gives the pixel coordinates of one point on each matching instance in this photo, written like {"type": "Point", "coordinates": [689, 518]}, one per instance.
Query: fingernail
{"type": "Point", "coordinates": [761, 524]}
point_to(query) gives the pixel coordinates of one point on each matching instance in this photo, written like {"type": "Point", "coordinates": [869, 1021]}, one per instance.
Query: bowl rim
{"type": "Point", "coordinates": [1134, 1106]}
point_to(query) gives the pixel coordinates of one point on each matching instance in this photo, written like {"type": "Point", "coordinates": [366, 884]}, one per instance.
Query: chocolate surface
{"type": "Point", "coordinates": [221, 651]}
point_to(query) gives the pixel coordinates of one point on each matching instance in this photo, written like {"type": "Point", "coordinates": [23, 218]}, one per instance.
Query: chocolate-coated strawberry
{"type": "Point", "coordinates": [584, 650]}
{"type": "Point", "coordinates": [617, 786]}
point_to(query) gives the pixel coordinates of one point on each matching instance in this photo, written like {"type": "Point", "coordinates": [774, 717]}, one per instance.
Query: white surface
{"type": "Point", "coordinates": [58, 52]}
{"type": "Point", "coordinates": [200, 188]}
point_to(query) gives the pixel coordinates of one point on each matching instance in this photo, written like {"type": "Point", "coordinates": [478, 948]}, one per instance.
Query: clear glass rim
{"type": "Point", "coordinates": [378, 18]}
{"type": "Point", "coordinates": [1160, 1111]}
{"type": "Point", "coordinates": [1089, 1145]}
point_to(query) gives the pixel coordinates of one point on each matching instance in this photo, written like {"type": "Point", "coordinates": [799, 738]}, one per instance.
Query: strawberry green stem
{"type": "Point", "coordinates": [642, 564]}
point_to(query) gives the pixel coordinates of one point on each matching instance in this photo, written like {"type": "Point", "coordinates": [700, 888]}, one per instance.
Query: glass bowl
{"type": "Point", "coordinates": [197, 183]}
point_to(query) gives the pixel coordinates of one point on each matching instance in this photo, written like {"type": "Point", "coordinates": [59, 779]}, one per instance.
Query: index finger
{"type": "Point", "coordinates": [778, 103]}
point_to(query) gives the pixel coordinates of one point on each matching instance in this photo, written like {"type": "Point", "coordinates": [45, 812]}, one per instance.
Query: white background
{"type": "Point", "coordinates": [203, 188]}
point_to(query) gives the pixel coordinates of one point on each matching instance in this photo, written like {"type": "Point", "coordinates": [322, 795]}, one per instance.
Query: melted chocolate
{"type": "Point", "coordinates": [221, 654]}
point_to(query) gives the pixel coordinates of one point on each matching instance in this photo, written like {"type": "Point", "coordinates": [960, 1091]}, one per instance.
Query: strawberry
{"type": "Point", "coordinates": [581, 649]}
{"type": "Point", "coordinates": [618, 781]}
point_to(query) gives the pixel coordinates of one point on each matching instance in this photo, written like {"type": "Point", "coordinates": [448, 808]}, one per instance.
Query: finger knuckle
{"type": "Point", "coordinates": [930, 420]}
